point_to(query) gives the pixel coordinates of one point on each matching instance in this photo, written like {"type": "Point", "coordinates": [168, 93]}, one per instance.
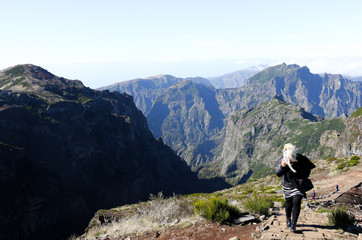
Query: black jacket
{"type": "Point", "coordinates": [303, 166]}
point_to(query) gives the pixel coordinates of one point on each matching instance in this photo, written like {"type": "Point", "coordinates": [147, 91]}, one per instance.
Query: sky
{"type": "Point", "coordinates": [109, 41]}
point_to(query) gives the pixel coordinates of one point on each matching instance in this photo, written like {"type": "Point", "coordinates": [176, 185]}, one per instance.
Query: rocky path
{"type": "Point", "coordinates": [311, 224]}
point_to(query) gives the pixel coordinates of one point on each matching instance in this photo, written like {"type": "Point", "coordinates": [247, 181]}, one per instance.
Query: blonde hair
{"type": "Point", "coordinates": [290, 153]}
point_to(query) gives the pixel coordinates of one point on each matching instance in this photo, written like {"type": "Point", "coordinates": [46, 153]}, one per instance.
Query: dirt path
{"type": "Point", "coordinates": [313, 225]}
{"type": "Point", "coordinates": [203, 231]}
{"type": "Point", "coordinates": [325, 184]}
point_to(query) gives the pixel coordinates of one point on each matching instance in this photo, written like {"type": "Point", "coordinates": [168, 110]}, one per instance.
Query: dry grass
{"type": "Point", "coordinates": [72, 237]}
{"type": "Point", "coordinates": [156, 214]}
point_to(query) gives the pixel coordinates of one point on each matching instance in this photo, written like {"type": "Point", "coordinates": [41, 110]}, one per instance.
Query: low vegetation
{"type": "Point", "coordinates": [255, 197]}
{"type": "Point", "coordinates": [357, 113]}
{"type": "Point", "coordinates": [344, 163]}
{"type": "Point", "coordinates": [323, 210]}
{"type": "Point", "coordinates": [15, 71]}
{"type": "Point", "coordinates": [156, 214]}
{"type": "Point", "coordinates": [339, 218]}
{"type": "Point", "coordinates": [216, 210]}
{"type": "Point", "coordinates": [258, 204]}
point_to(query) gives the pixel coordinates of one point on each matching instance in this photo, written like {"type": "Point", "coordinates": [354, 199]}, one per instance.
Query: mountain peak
{"type": "Point", "coordinates": [29, 70]}
{"type": "Point", "coordinates": [37, 72]}
{"type": "Point", "coordinates": [29, 78]}
{"type": "Point", "coordinates": [167, 76]}
{"type": "Point", "coordinates": [274, 71]}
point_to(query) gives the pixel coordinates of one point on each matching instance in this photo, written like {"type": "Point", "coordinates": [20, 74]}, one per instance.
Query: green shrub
{"type": "Point", "coordinates": [278, 199]}
{"type": "Point", "coordinates": [355, 157]}
{"type": "Point", "coordinates": [323, 210]}
{"type": "Point", "coordinates": [216, 210]}
{"type": "Point", "coordinates": [341, 166]}
{"type": "Point", "coordinates": [271, 192]}
{"type": "Point", "coordinates": [339, 218]}
{"type": "Point", "coordinates": [352, 163]}
{"type": "Point", "coordinates": [330, 159]}
{"type": "Point", "coordinates": [258, 204]}
{"type": "Point", "coordinates": [218, 194]}
{"type": "Point", "coordinates": [247, 190]}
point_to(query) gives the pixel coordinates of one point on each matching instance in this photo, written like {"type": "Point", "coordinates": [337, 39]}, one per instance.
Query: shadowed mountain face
{"type": "Point", "coordinates": [67, 151]}
{"type": "Point", "coordinates": [185, 116]}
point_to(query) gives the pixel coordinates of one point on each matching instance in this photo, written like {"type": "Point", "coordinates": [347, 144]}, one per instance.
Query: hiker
{"type": "Point", "coordinates": [294, 169]}
{"type": "Point", "coordinates": [313, 195]}
{"type": "Point", "coordinates": [337, 188]}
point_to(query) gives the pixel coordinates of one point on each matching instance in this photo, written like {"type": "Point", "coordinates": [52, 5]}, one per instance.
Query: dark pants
{"type": "Point", "coordinates": [292, 205]}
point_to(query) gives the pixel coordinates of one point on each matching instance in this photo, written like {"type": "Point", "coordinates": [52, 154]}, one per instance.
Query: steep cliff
{"type": "Point", "coordinates": [186, 115]}
{"type": "Point", "coordinates": [254, 138]}
{"type": "Point", "coordinates": [67, 151]}
{"type": "Point", "coordinates": [348, 142]}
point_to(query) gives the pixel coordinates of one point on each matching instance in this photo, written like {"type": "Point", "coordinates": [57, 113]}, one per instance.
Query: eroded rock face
{"type": "Point", "coordinates": [350, 142]}
{"type": "Point", "coordinates": [352, 196]}
{"type": "Point", "coordinates": [68, 151]}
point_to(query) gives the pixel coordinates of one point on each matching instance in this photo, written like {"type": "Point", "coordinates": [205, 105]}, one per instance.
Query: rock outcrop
{"type": "Point", "coordinates": [350, 142]}
{"type": "Point", "coordinates": [347, 142]}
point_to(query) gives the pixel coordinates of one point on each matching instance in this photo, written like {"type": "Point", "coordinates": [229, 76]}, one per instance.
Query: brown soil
{"type": "Point", "coordinates": [201, 231]}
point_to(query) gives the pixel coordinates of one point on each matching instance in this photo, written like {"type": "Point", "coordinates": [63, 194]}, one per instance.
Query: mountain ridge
{"type": "Point", "coordinates": [327, 95]}
{"type": "Point", "coordinates": [330, 95]}
{"type": "Point", "coordinates": [146, 90]}
{"type": "Point", "coordinates": [68, 150]}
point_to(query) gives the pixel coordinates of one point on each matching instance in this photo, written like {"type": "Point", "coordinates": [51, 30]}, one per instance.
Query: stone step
{"type": "Point", "coordinates": [311, 225]}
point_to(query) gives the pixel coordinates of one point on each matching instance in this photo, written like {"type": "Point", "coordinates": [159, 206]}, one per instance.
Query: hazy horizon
{"type": "Point", "coordinates": [101, 43]}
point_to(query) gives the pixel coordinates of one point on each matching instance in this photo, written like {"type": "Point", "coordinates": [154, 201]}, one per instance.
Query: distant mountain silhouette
{"type": "Point", "coordinates": [235, 79]}
{"type": "Point", "coordinates": [146, 90]}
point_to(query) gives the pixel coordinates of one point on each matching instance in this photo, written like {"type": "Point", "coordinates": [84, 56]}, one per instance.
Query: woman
{"type": "Point", "coordinates": [294, 168]}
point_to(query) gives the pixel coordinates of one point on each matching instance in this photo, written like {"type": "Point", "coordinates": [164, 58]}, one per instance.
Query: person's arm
{"type": "Point", "coordinates": [281, 169]}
